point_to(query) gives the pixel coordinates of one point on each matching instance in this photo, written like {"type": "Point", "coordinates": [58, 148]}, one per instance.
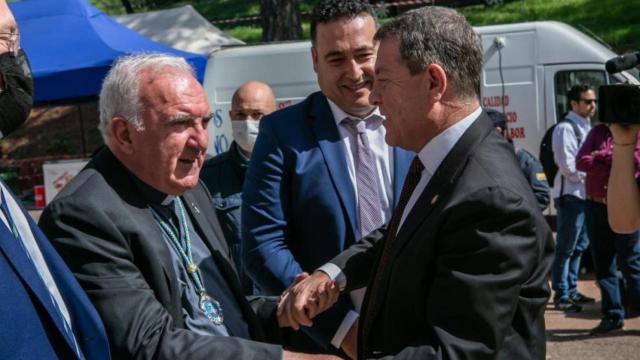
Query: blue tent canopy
{"type": "Point", "coordinates": [71, 45]}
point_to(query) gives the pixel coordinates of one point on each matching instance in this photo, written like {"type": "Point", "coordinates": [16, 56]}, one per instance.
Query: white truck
{"type": "Point", "coordinates": [528, 68]}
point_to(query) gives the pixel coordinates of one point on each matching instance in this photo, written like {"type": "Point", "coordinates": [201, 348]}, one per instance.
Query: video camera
{"type": "Point", "coordinates": [620, 103]}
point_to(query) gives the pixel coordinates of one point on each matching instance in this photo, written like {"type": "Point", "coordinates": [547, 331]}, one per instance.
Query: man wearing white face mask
{"type": "Point", "coordinates": [224, 174]}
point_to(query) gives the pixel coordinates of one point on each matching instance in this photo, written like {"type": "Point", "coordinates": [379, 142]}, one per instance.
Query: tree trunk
{"type": "Point", "coordinates": [280, 20]}
{"type": "Point", "coordinates": [127, 6]}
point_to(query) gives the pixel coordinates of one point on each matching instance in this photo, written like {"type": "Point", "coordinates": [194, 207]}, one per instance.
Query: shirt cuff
{"type": "Point", "coordinates": [335, 274]}
{"type": "Point", "coordinates": [347, 323]}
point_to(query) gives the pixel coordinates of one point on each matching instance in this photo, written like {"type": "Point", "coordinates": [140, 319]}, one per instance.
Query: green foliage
{"type": "Point", "coordinates": [110, 7]}
{"type": "Point", "coordinates": [253, 34]}
{"type": "Point", "coordinates": [227, 9]}
{"type": "Point", "coordinates": [248, 34]}
{"type": "Point", "coordinates": [231, 9]}
{"type": "Point", "coordinates": [615, 21]}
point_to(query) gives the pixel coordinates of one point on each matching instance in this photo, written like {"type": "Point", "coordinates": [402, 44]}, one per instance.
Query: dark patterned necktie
{"type": "Point", "coordinates": [410, 182]}
{"type": "Point", "coordinates": [369, 208]}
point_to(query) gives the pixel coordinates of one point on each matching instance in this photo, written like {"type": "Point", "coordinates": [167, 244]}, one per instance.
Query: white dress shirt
{"type": "Point", "coordinates": [431, 156]}
{"type": "Point", "coordinates": [565, 148]}
{"type": "Point", "coordinates": [382, 152]}
{"type": "Point", "coordinates": [433, 153]}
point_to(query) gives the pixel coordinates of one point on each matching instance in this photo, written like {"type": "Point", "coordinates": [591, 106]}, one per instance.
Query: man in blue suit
{"type": "Point", "coordinates": [321, 176]}
{"type": "Point", "coordinates": [44, 314]}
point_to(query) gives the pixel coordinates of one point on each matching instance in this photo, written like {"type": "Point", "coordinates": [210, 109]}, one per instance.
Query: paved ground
{"type": "Point", "coordinates": [568, 334]}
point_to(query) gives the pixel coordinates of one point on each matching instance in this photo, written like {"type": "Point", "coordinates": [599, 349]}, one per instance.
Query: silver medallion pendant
{"type": "Point", "coordinates": [212, 309]}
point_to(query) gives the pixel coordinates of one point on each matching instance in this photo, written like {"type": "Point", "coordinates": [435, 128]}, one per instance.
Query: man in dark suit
{"type": "Point", "coordinates": [321, 176]}
{"type": "Point", "coordinates": [44, 314]}
{"type": "Point", "coordinates": [139, 231]}
{"type": "Point", "coordinates": [462, 271]}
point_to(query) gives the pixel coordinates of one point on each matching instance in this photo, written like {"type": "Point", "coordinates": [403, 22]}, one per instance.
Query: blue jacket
{"type": "Point", "coordinates": [30, 325]}
{"type": "Point", "coordinates": [299, 205]}
{"type": "Point", "coordinates": [534, 173]}
{"type": "Point", "coordinates": [223, 176]}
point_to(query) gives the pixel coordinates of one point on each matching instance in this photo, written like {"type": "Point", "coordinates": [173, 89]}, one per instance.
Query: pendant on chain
{"type": "Point", "coordinates": [212, 309]}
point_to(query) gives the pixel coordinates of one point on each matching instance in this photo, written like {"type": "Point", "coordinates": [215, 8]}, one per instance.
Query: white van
{"type": "Point", "coordinates": [528, 69]}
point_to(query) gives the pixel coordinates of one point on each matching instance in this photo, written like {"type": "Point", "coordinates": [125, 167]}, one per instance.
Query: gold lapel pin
{"type": "Point", "coordinates": [434, 199]}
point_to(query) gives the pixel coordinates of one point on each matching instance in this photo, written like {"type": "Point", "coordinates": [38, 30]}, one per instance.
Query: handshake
{"type": "Point", "coordinates": [307, 297]}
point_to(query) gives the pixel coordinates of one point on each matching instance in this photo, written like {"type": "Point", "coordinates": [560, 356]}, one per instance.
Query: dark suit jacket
{"type": "Point", "coordinates": [30, 326]}
{"type": "Point", "coordinates": [299, 206]}
{"type": "Point", "coordinates": [102, 227]}
{"type": "Point", "coordinates": [468, 269]}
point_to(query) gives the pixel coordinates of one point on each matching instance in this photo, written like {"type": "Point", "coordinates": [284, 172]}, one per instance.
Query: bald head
{"type": "Point", "coordinates": [252, 100]}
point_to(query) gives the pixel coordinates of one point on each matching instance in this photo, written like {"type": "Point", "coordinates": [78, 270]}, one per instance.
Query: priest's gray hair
{"type": "Point", "coordinates": [120, 96]}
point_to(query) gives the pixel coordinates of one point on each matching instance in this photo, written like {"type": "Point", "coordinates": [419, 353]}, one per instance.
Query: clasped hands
{"type": "Point", "coordinates": [308, 296]}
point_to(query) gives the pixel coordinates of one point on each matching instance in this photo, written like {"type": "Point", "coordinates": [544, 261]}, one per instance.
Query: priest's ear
{"type": "Point", "coordinates": [120, 131]}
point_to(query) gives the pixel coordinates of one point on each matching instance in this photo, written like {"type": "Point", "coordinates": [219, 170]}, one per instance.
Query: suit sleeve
{"type": "Point", "coordinates": [137, 324]}
{"type": "Point", "coordinates": [357, 261]}
{"type": "Point", "coordinates": [265, 230]}
{"type": "Point", "coordinates": [492, 255]}
{"type": "Point", "coordinates": [264, 216]}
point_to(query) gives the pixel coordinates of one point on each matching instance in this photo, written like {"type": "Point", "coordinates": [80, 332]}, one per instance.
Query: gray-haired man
{"type": "Point", "coordinates": [139, 232]}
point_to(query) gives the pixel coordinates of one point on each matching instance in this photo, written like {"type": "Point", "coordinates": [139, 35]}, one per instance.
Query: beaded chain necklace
{"type": "Point", "coordinates": [182, 242]}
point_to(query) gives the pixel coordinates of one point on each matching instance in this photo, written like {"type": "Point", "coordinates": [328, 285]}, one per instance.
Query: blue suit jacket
{"type": "Point", "coordinates": [31, 326]}
{"type": "Point", "coordinates": [299, 205]}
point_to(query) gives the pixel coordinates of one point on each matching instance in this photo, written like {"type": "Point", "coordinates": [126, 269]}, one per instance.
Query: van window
{"type": "Point", "coordinates": [564, 80]}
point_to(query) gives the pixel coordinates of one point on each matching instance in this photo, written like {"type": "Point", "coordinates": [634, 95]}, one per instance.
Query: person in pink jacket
{"type": "Point", "coordinates": [610, 250]}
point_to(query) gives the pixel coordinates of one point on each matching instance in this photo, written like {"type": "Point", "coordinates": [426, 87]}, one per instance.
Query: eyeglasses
{"type": "Point", "coordinates": [13, 41]}
{"type": "Point", "coordinates": [589, 101]}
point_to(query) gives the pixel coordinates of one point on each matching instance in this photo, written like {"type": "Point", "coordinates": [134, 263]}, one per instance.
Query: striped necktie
{"type": "Point", "coordinates": [369, 208]}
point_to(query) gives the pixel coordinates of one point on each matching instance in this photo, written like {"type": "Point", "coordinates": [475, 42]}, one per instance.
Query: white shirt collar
{"type": "Point", "coordinates": [339, 114]}
{"type": "Point", "coordinates": [434, 152]}
{"type": "Point", "coordinates": [579, 120]}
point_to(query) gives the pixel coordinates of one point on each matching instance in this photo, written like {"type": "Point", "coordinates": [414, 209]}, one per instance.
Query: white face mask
{"type": "Point", "coordinates": [245, 133]}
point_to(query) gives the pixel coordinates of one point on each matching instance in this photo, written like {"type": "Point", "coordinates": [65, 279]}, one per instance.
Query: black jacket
{"type": "Point", "coordinates": [467, 272]}
{"type": "Point", "coordinates": [102, 227]}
